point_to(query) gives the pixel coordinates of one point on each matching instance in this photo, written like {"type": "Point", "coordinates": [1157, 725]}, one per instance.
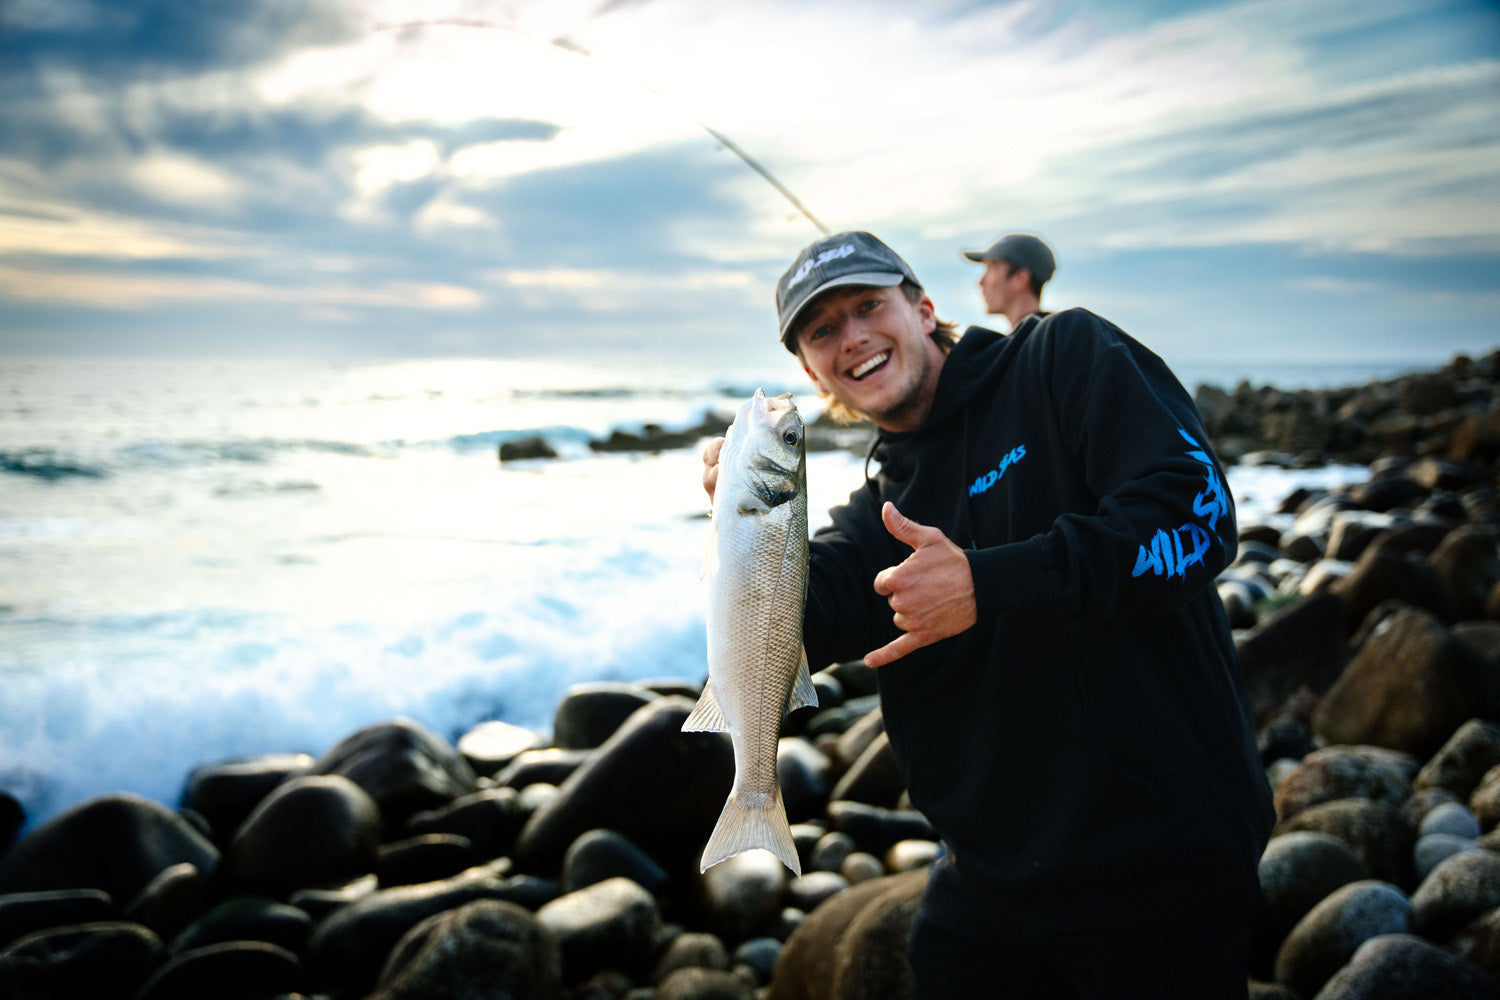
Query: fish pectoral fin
{"type": "Point", "coordinates": [707, 716]}
{"type": "Point", "coordinates": [803, 693]}
{"type": "Point", "coordinates": [751, 821]}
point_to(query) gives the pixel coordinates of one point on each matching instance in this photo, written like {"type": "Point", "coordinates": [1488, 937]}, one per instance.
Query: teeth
{"type": "Point", "coordinates": [871, 365]}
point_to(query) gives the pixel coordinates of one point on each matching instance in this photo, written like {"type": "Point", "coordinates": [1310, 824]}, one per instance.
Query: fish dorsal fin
{"type": "Point", "coordinates": [803, 693]}
{"type": "Point", "coordinates": [707, 716]}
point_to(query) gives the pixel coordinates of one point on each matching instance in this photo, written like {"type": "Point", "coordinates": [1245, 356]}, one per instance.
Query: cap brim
{"type": "Point", "coordinates": [977, 256]}
{"type": "Point", "coordinates": [873, 279]}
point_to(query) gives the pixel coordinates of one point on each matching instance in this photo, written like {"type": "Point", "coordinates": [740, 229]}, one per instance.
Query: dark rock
{"type": "Point", "coordinates": [169, 901]}
{"type": "Point", "coordinates": [622, 788]}
{"type": "Point", "coordinates": [589, 714]}
{"type": "Point", "coordinates": [1460, 889]}
{"type": "Point", "coordinates": [318, 902]}
{"type": "Point", "coordinates": [1467, 564]}
{"type": "Point", "coordinates": [1485, 802]}
{"type": "Point", "coordinates": [874, 777]}
{"type": "Point", "coordinates": [486, 948]}
{"type": "Point", "coordinates": [489, 746]}
{"type": "Point", "coordinates": [803, 772]}
{"type": "Point", "coordinates": [611, 924]}
{"type": "Point", "coordinates": [599, 855]}
{"type": "Point", "coordinates": [1376, 831]}
{"type": "Point", "coordinates": [1434, 848]}
{"type": "Point", "coordinates": [807, 892]}
{"type": "Point", "coordinates": [908, 855]}
{"type": "Point", "coordinates": [830, 852]}
{"type": "Point", "coordinates": [403, 766]}
{"type": "Point", "coordinates": [1297, 871]}
{"type": "Point", "coordinates": [248, 918]}
{"type": "Point", "coordinates": [1325, 939]}
{"type": "Point", "coordinates": [758, 956]}
{"type": "Point", "coordinates": [226, 794]}
{"type": "Point", "coordinates": [489, 820]}
{"type": "Point", "coordinates": [1471, 751]}
{"type": "Point", "coordinates": [866, 728]}
{"type": "Point", "coordinates": [1403, 967]}
{"type": "Point", "coordinates": [313, 830]}
{"type": "Point", "coordinates": [1302, 645]}
{"type": "Point", "coordinates": [233, 970]}
{"type": "Point", "coordinates": [22, 913]}
{"type": "Point", "coordinates": [1451, 818]}
{"type": "Point", "coordinates": [854, 945]}
{"type": "Point", "coordinates": [703, 984]}
{"type": "Point", "coordinates": [427, 857]}
{"type": "Point", "coordinates": [740, 895]}
{"type": "Point", "coordinates": [549, 766]}
{"type": "Point", "coordinates": [691, 950]}
{"type": "Point", "coordinates": [523, 449]}
{"type": "Point", "coordinates": [117, 843]}
{"type": "Point", "coordinates": [1385, 493]}
{"type": "Point", "coordinates": [1408, 688]}
{"type": "Point", "coordinates": [12, 818]}
{"type": "Point", "coordinates": [349, 946]}
{"type": "Point", "coordinates": [101, 961]}
{"type": "Point", "coordinates": [1341, 772]}
{"type": "Point", "coordinates": [1480, 942]}
{"type": "Point", "coordinates": [875, 829]}
{"type": "Point", "coordinates": [1353, 531]}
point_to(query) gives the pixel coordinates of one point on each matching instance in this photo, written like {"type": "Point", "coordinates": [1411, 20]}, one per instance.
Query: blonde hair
{"type": "Point", "coordinates": [944, 334]}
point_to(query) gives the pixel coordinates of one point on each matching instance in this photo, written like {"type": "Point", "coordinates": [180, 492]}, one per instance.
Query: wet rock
{"type": "Point", "coordinates": [427, 857]}
{"type": "Point", "coordinates": [489, 746]}
{"type": "Point", "coordinates": [117, 843]}
{"type": "Point", "coordinates": [1449, 818]}
{"type": "Point", "coordinates": [1341, 772]}
{"type": "Point", "coordinates": [403, 766]}
{"type": "Point", "coordinates": [803, 772]}
{"type": "Point", "coordinates": [525, 449]}
{"type": "Point", "coordinates": [599, 855]}
{"type": "Point", "coordinates": [854, 945]}
{"type": "Point", "coordinates": [740, 895]}
{"type": "Point", "coordinates": [248, 918]}
{"type": "Point", "coordinates": [24, 912]}
{"type": "Point", "coordinates": [1376, 832]}
{"type": "Point", "coordinates": [873, 777]}
{"type": "Point", "coordinates": [691, 950]}
{"type": "Point", "coordinates": [350, 945]}
{"type": "Point", "coordinates": [1434, 848]}
{"type": "Point", "coordinates": [312, 830]}
{"type": "Point", "coordinates": [875, 829]}
{"type": "Point", "coordinates": [1330, 934]}
{"type": "Point", "coordinates": [1479, 942]}
{"type": "Point", "coordinates": [1471, 751]}
{"type": "Point", "coordinates": [1380, 575]}
{"type": "Point", "coordinates": [909, 855]}
{"type": "Point", "coordinates": [1403, 967]}
{"type": "Point", "coordinates": [589, 714]}
{"type": "Point", "coordinates": [1485, 802]}
{"type": "Point", "coordinates": [486, 948]}
{"type": "Point", "coordinates": [611, 924]}
{"type": "Point", "coordinates": [807, 892]}
{"type": "Point", "coordinates": [1465, 886]}
{"type": "Point", "coordinates": [548, 766]}
{"type": "Point", "coordinates": [830, 852]}
{"type": "Point", "coordinates": [1467, 564]}
{"type": "Point", "coordinates": [1408, 688]}
{"type": "Point", "coordinates": [621, 788]}
{"type": "Point", "coordinates": [169, 901]}
{"type": "Point", "coordinates": [757, 959]}
{"type": "Point", "coordinates": [1297, 871]}
{"type": "Point", "coordinates": [1302, 645]}
{"type": "Point", "coordinates": [233, 970]}
{"type": "Point", "coordinates": [703, 984]}
{"type": "Point", "coordinates": [108, 960]}
{"type": "Point", "coordinates": [489, 820]}
{"type": "Point", "coordinates": [226, 794]}
{"type": "Point", "coordinates": [12, 818]}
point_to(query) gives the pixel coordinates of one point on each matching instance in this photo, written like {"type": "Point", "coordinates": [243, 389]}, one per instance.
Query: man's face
{"type": "Point", "coordinates": [998, 285]}
{"type": "Point", "coordinates": [871, 349]}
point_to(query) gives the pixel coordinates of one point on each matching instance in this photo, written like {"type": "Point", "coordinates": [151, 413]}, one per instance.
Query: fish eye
{"type": "Point", "coordinates": [791, 438]}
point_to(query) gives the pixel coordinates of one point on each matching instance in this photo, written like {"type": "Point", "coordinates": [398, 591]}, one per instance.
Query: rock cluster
{"type": "Point", "coordinates": [400, 865]}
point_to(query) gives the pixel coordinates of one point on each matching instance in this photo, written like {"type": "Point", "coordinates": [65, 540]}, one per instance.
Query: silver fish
{"type": "Point", "coordinates": [756, 567]}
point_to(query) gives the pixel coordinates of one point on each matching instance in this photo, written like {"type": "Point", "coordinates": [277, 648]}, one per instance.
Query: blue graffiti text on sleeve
{"type": "Point", "coordinates": [1172, 552]}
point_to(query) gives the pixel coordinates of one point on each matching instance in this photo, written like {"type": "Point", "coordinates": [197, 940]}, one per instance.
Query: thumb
{"type": "Point", "coordinates": [903, 528]}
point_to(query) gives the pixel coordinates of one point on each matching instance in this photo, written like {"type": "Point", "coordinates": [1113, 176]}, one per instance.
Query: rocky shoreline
{"type": "Point", "coordinates": [402, 865]}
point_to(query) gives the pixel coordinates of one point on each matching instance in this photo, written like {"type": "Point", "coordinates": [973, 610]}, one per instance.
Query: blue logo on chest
{"type": "Point", "coordinates": [992, 477]}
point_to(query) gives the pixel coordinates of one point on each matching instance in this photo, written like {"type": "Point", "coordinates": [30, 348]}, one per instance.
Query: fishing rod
{"type": "Point", "coordinates": [568, 45]}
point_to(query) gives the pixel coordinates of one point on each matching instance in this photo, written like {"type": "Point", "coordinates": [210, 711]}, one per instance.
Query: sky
{"type": "Point", "coordinates": [1303, 180]}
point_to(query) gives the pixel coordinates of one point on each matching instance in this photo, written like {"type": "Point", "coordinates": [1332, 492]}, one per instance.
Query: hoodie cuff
{"type": "Point", "coordinates": [1008, 576]}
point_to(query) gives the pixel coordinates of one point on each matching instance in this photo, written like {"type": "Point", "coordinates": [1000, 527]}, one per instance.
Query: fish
{"type": "Point", "coordinates": [756, 572]}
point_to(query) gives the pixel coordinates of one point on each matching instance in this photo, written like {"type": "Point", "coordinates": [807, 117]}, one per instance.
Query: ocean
{"type": "Point", "coordinates": [204, 560]}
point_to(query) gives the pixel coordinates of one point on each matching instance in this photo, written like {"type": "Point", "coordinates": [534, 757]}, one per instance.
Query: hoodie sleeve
{"type": "Point", "coordinates": [1162, 525]}
{"type": "Point", "coordinates": [838, 624]}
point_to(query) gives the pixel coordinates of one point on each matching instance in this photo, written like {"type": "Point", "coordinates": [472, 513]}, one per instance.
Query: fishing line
{"type": "Point", "coordinates": [568, 45]}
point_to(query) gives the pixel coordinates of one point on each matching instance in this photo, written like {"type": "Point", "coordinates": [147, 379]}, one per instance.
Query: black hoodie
{"type": "Point", "coordinates": [1086, 743]}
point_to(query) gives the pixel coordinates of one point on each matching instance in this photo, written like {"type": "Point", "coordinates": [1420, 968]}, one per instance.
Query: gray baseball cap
{"type": "Point", "coordinates": [1022, 250]}
{"type": "Point", "coordinates": [849, 258]}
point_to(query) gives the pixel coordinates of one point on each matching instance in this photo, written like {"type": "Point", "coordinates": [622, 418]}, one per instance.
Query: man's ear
{"type": "Point", "coordinates": [928, 312]}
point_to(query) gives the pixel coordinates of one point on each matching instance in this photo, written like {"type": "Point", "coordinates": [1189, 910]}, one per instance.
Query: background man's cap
{"type": "Point", "coordinates": [1022, 250]}
{"type": "Point", "coordinates": [851, 258]}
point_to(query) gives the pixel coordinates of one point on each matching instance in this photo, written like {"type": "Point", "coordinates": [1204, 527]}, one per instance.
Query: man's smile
{"type": "Point", "coordinates": [859, 371]}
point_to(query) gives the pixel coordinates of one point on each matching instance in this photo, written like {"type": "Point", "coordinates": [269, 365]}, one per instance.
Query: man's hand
{"type": "Point", "coordinates": [711, 467]}
{"type": "Point", "coordinates": [931, 592]}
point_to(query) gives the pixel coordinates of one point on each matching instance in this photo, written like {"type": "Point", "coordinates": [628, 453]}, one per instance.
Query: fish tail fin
{"type": "Point", "coordinates": [752, 820]}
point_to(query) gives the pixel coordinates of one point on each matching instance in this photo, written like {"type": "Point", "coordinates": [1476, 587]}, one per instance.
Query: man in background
{"type": "Point", "coordinates": [1016, 266]}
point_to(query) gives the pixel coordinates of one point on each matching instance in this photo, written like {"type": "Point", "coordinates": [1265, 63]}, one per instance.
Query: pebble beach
{"type": "Point", "coordinates": [508, 863]}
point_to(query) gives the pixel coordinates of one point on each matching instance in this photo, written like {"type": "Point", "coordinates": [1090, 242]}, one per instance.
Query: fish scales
{"type": "Point", "coordinates": [756, 568]}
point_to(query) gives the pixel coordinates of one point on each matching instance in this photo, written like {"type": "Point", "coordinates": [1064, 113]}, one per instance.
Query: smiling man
{"type": "Point", "coordinates": [1032, 571]}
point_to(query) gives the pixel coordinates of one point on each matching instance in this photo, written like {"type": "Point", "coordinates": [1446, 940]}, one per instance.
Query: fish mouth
{"type": "Point", "coordinates": [869, 366]}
